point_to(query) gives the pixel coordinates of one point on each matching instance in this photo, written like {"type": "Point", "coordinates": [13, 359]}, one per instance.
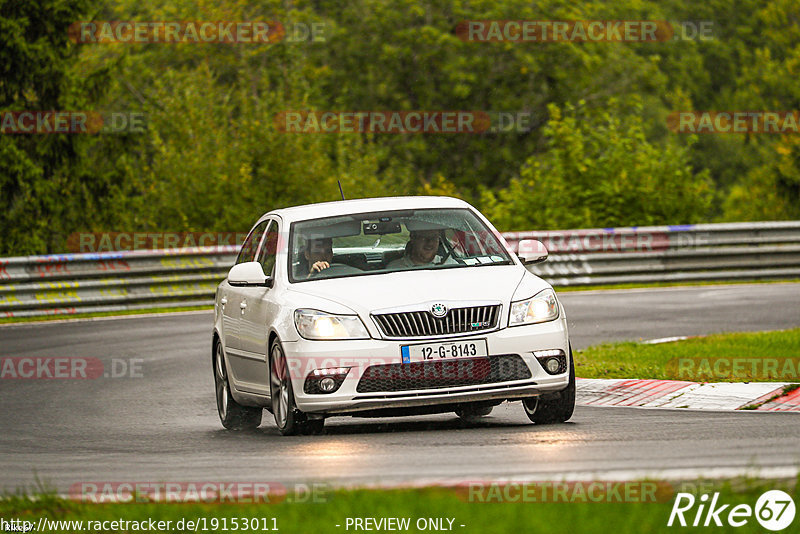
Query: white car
{"type": "Point", "coordinates": [386, 306]}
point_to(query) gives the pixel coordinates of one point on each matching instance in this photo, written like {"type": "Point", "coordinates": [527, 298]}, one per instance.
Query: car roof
{"type": "Point", "coordinates": [362, 205]}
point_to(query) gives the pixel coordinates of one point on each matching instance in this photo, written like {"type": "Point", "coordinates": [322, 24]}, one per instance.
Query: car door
{"type": "Point", "coordinates": [228, 306]}
{"type": "Point", "coordinates": [259, 310]}
{"type": "Point", "coordinates": [231, 298]}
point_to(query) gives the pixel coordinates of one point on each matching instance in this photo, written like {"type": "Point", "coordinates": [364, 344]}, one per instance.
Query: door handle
{"type": "Point", "coordinates": [223, 301]}
{"type": "Point", "coordinates": [243, 305]}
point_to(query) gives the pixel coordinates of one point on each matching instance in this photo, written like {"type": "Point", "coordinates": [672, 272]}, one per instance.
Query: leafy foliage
{"type": "Point", "coordinates": [599, 170]}
{"type": "Point", "coordinates": [37, 191]}
{"type": "Point", "coordinates": [597, 153]}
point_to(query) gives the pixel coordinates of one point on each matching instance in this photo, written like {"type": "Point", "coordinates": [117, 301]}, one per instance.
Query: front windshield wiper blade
{"type": "Point", "coordinates": [501, 262]}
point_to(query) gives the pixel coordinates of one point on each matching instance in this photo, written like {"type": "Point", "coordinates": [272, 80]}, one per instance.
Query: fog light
{"type": "Point", "coordinates": [327, 384]}
{"type": "Point", "coordinates": [321, 381]}
{"type": "Point", "coordinates": [553, 361]}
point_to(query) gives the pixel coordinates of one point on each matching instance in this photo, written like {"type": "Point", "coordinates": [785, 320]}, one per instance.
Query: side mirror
{"type": "Point", "coordinates": [531, 251]}
{"type": "Point", "coordinates": [249, 274]}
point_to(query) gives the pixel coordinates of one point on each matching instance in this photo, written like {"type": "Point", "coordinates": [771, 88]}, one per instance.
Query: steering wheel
{"type": "Point", "coordinates": [448, 252]}
{"type": "Point", "coordinates": [445, 257]}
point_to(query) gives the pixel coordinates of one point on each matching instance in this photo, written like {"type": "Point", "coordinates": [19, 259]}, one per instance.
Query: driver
{"type": "Point", "coordinates": [421, 250]}
{"type": "Point", "coordinates": [319, 254]}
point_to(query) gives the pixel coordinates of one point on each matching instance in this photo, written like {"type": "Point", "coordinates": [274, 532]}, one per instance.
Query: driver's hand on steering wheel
{"type": "Point", "coordinates": [318, 266]}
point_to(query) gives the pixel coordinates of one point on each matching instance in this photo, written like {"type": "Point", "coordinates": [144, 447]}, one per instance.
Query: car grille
{"type": "Point", "coordinates": [443, 373]}
{"type": "Point", "coordinates": [423, 323]}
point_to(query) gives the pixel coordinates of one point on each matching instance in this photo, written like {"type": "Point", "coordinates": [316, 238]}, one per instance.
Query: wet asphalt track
{"type": "Point", "coordinates": [163, 426]}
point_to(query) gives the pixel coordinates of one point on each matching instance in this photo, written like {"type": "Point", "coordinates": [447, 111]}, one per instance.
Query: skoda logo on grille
{"type": "Point", "coordinates": [439, 310]}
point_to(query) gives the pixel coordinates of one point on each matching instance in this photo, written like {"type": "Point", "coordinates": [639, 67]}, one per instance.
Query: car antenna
{"type": "Point", "coordinates": [340, 189]}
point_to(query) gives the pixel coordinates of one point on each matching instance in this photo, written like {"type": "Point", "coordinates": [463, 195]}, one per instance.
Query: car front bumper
{"type": "Point", "coordinates": [304, 356]}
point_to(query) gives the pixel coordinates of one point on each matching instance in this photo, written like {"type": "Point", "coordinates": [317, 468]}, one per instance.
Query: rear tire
{"type": "Point", "coordinates": [313, 427]}
{"type": "Point", "coordinates": [289, 420]}
{"type": "Point", "coordinates": [232, 415]}
{"type": "Point", "coordinates": [553, 407]}
{"type": "Point", "coordinates": [474, 413]}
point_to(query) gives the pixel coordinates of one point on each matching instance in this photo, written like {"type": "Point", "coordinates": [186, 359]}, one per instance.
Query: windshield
{"type": "Point", "coordinates": [377, 243]}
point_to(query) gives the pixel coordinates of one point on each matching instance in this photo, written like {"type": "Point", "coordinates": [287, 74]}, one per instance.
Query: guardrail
{"type": "Point", "coordinates": [647, 254]}
{"type": "Point", "coordinates": [66, 284]}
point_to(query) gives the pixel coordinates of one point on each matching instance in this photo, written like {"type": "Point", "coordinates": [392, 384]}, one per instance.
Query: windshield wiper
{"type": "Point", "coordinates": [501, 262]}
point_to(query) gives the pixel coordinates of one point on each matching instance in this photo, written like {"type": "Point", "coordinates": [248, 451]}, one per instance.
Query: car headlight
{"type": "Point", "coordinates": [538, 309]}
{"type": "Point", "coordinates": [313, 324]}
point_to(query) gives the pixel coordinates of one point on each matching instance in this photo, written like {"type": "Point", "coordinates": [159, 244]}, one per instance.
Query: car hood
{"type": "Point", "coordinates": [412, 289]}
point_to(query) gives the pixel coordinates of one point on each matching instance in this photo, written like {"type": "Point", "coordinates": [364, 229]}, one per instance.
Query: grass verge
{"type": "Point", "coordinates": [739, 357]}
{"type": "Point", "coordinates": [520, 511]}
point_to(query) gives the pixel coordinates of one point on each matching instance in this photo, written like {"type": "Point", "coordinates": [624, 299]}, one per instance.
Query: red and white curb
{"type": "Point", "coordinates": [768, 396]}
{"type": "Point", "coordinates": [786, 403]}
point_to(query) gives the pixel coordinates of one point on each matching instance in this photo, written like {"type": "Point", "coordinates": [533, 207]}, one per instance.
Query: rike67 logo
{"type": "Point", "coordinates": [774, 511]}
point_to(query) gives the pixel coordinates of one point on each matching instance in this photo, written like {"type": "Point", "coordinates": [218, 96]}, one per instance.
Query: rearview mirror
{"type": "Point", "coordinates": [248, 274]}
{"type": "Point", "coordinates": [531, 251]}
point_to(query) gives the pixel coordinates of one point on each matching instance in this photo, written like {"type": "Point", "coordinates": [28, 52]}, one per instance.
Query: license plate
{"type": "Point", "coordinates": [446, 350]}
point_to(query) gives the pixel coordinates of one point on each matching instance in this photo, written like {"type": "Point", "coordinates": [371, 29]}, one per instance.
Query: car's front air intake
{"type": "Point", "coordinates": [423, 323]}
{"type": "Point", "coordinates": [439, 374]}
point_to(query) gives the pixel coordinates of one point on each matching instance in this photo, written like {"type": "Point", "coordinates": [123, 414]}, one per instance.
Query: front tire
{"type": "Point", "coordinates": [289, 420]}
{"type": "Point", "coordinates": [553, 407]}
{"type": "Point", "coordinates": [232, 415]}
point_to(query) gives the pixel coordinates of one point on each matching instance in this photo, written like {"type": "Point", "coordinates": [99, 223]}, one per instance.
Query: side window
{"type": "Point", "coordinates": [250, 245]}
{"type": "Point", "coordinates": [267, 256]}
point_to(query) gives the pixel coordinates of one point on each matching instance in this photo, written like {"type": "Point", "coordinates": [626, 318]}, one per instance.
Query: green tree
{"type": "Point", "coordinates": [599, 170]}
{"type": "Point", "coordinates": [42, 195]}
{"type": "Point", "coordinates": [598, 151]}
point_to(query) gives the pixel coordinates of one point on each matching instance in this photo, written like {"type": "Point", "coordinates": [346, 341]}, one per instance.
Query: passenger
{"type": "Point", "coordinates": [421, 250]}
